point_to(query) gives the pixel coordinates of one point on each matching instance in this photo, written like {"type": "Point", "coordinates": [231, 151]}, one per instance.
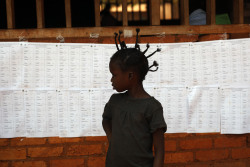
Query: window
{"type": "Point", "coordinates": [169, 12]}
{"type": "Point", "coordinates": [25, 14]}
{"type": "Point", "coordinates": [247, 12]}
{"type": "Point", "coordinates": [137, 11]}
{"type": "Point", "coordinates": [3, 16]}
{"type": "Point", "coordinates": [82, 13]}
{"type": "Point", "coordinates": [54, 12]}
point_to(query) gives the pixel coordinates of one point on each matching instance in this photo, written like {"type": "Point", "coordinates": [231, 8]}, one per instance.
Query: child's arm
{"type": "Point", "coordinates": [107, 126]}
{"type": "Point", "coordinates": [158, 142]}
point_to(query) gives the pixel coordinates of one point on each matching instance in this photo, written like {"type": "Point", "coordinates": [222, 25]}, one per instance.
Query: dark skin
{"type": "Point", "coordinates": [129, 80]}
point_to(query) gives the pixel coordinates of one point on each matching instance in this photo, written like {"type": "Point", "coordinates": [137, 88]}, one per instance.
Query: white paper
{"type": "Point", "coordinates": [235, 115]}
{"type": "Point", "coordinates": [7, 121]}
{"type": "Point", "coordinates": [203, 109]}
{"type": "Point", "coordinates": [174, 102]}
{"type": "Point", "coordinates": [30, 113]}
{"type": "Point", "coordinates": [49, 89]}
{"type": "Point", "coordinates": [19, 113]}
{"type": "Point", "coordinates": [16, 66]}
{"type": "Point", "coordinates": [63, 113]}
{"type": "Point", "coordinates": [5, 66]}
{"type": "Point", "coordinates": [52, 113]}
{"type": "Point", "coordinates": [86, 66]}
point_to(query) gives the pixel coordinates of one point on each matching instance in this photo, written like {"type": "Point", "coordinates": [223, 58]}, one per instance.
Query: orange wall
{"type": "Point", "coordinates": [181, 150]}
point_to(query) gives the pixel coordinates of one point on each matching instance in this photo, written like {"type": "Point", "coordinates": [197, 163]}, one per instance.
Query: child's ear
{"type": "Point", "coordinates": [130, 75]}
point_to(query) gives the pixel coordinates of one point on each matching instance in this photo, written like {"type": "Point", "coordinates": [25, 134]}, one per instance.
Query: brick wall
{"type": "Point", "coordinates": [181, 150]}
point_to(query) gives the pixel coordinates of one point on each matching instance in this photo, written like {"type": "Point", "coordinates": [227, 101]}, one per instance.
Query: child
{"type": "Point", "coordinates": [133, 120]}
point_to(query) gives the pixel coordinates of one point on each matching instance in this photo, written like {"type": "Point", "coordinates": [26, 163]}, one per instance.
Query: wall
{"type": "Point", "coordinates": [182, 149]}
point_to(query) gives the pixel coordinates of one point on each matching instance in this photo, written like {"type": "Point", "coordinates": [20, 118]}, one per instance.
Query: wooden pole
{"type": "Point", "coordinates": [184, 12]}
{"type": "Point", "coordinates": [97, 13]}
{"type": "Point", "coordinates": [51, 33]}
{"type": "Point", "coordinates": [124, 13]}
{"type": "Point", "coordinates": [238, 11]}
{"type": "Point", "coordinates": [154, 6]}
{"type": "Point", "coordinates": [40, 13]}
{"type": "Point", "coordinates": [176, 10]}
{"type": "Point", "coordinates": [10, 14]}
{"type": "Point", "coordinates": [68, 13]}
{"type": "Point", "coordinates": [211, 11]}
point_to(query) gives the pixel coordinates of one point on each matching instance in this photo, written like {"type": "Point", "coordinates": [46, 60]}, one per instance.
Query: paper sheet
{"type": "Point", "coordinates": [49, 89]}
{"type": "Point", "coordinates": [235, 111]}
{"type": "Point", "coordinates": [203, 109]}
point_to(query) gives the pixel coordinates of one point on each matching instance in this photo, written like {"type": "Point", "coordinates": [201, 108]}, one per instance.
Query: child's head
{"type": "Point", "coordinates": [129, 64]}
{"type": "Point", "coordinates": [133, 60]}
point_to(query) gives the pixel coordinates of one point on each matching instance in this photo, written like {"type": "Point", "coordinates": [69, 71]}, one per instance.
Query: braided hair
{"type": "Point", "coordinates": [133, 58]}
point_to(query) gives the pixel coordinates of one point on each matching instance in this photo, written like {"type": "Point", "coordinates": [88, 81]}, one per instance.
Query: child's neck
{"type": "Point", "coordinates": [137, 91]}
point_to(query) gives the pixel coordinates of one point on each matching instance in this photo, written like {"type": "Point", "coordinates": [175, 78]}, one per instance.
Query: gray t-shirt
{"type": "Point", "coordinates": [133, 124]}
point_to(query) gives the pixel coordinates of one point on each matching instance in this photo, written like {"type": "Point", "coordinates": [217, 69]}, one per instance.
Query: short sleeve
{"type": "Point", "coordinates": [107, 114]}
{"type": "Point", "coordinates": [156, 120]}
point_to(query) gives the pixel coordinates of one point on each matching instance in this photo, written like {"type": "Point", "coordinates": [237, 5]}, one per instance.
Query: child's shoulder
{"type": "Point", "coordinates": [117, 96]}
{"type": "Point", "coordinates": [156, 102]}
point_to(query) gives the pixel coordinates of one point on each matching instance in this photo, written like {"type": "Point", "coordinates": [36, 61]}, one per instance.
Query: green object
{"type": "Point", "coordinates": [222, 19]}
